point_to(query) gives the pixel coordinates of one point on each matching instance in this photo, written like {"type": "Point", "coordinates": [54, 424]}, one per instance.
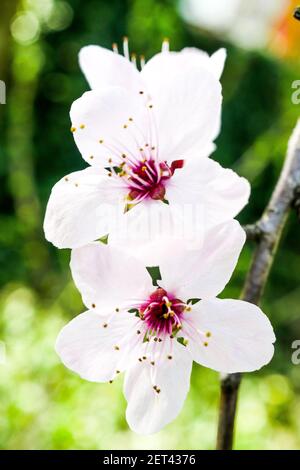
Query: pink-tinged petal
{"type": "Point", "coordinates": [103, 68]}
{"type": "Point", "coordinates": [108, 278]}
{"type": "Point", "coordinates": [222, 193]}
{"type": "Point", "coordinates": [215, 63]}
{"type": "Point", "coordinates": [200, 272]}
{"type": "Point", "coordinates": [229, 335]}
{"type": "Point", "coordinates": [97, 347]}
{"type": "Point", "coordinates": [186, 104]}
{"type": "Point", "coordinates": [109, 123]}
{"type": "Point", "coordinates": [81, 207]}
{"type": "Point", "coordinates": [155, 395]}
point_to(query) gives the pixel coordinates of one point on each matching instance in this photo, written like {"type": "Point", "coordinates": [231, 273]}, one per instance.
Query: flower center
{"type": "Point", "coordinates": [147, 179]}
{"type": "Point", "coordinates": [162, 313]}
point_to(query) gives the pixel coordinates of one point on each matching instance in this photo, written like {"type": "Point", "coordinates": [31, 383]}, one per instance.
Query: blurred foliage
{"type": "Point", "coordinates": [43, 405]}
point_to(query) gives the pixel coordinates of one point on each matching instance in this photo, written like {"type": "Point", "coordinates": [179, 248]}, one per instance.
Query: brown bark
{"type": "Point", "coordinates": [267, 233]}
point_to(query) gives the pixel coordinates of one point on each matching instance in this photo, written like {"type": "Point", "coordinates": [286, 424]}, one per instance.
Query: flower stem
{"type": "Point", "coordinates": [267, 234]}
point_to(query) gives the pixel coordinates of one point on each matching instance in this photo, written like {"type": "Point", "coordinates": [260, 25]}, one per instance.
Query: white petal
{"type": "Point", "coordinates": [201, 272]}
{"type": "Point", "coordinates": [108, 123]}
{"type": "Point", "coordinates": [240, 335]}
{"type": "Point", "coordinates": [186, 104]}
{"type": "Point", "coordinates": [150, 221]}
{"type": "Point", "coordinates": [215, 63]}
{"type": "Point", "coordinates": [103, 68]}
{"type": "Point", "coordinates": [149, 411]}
{"type": "Point", "coordinates": [97, 346]}
{"type": "Point", "coordinates": [79, 207]}
{"type": "Point", "coordinates": [109, 278]}
{"type": "Point", "coordinates": [222, 193]}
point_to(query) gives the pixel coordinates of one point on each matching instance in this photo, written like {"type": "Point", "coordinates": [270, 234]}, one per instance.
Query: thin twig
{"type": "Point", "coordinates": [253, 232]}
{"type": "Point", "coordinates": [267, 233]}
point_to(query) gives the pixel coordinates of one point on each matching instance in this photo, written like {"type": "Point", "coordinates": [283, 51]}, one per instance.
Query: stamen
{"type": "Point", "coordinates": [115, 47]}
{"type": "Point", "coordinates": [125, 47]}
{"type": "Point", "coordinates": [133, 59]}
{"type": "Point", "coordinates": [165, 45]}
{"type": "Point", "coordinates": [142, 61]}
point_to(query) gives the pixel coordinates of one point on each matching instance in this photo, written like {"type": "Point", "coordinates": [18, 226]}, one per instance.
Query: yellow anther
{"type": "Point", "coordinates": [125, 126]}
{"type": "Point", "coordinates": [170, 357]}
{"type": "Point", "coordinates": [208, 334]}
{"type": "Point", "coordinates": [66, 178]}
{"type": "Point", "coordinates": [101, 141]}
{"type": "Point", "coordinates": [73, 129]}
{"type": "Point", "coordinates": [91, 157]}
{"type": "Point", "coordinates": [82, 126]}
{"type": "Point", "coordinates": [94, 305]}
{"type": "Point", "coordinates": [130, 119]}
{"type": "Point", "coordinates": [144, 168]}
{"type": "Point", "coordinates": [188, 309]}
{"type": "Point", "coordinates": [205, 344]}
{"type": "Point", "coordinates": [117, 348]}
{"type": "Point", "coordinates": [105, 325]}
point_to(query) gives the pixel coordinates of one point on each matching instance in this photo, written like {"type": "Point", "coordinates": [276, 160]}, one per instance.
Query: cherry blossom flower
{"type": "Point", "coordinates": [146, 136]}
{"type": "Point", "coordinates": [154, 333]}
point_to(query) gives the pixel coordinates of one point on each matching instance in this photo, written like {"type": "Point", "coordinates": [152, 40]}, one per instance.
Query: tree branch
{"type": "Point", "coordinates": [253, 232]}
{"type": "Point", "coordinates": [267, 233]}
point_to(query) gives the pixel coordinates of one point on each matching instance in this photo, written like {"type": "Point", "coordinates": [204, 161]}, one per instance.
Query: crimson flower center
{"type": "Point", "coordinates": [162, 312]}
{"type": "Point", "coordinates": [148, 179]}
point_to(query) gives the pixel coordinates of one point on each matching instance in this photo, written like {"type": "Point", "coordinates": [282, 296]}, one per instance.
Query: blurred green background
{"type": "Point", "coordinates": [42, 404]}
